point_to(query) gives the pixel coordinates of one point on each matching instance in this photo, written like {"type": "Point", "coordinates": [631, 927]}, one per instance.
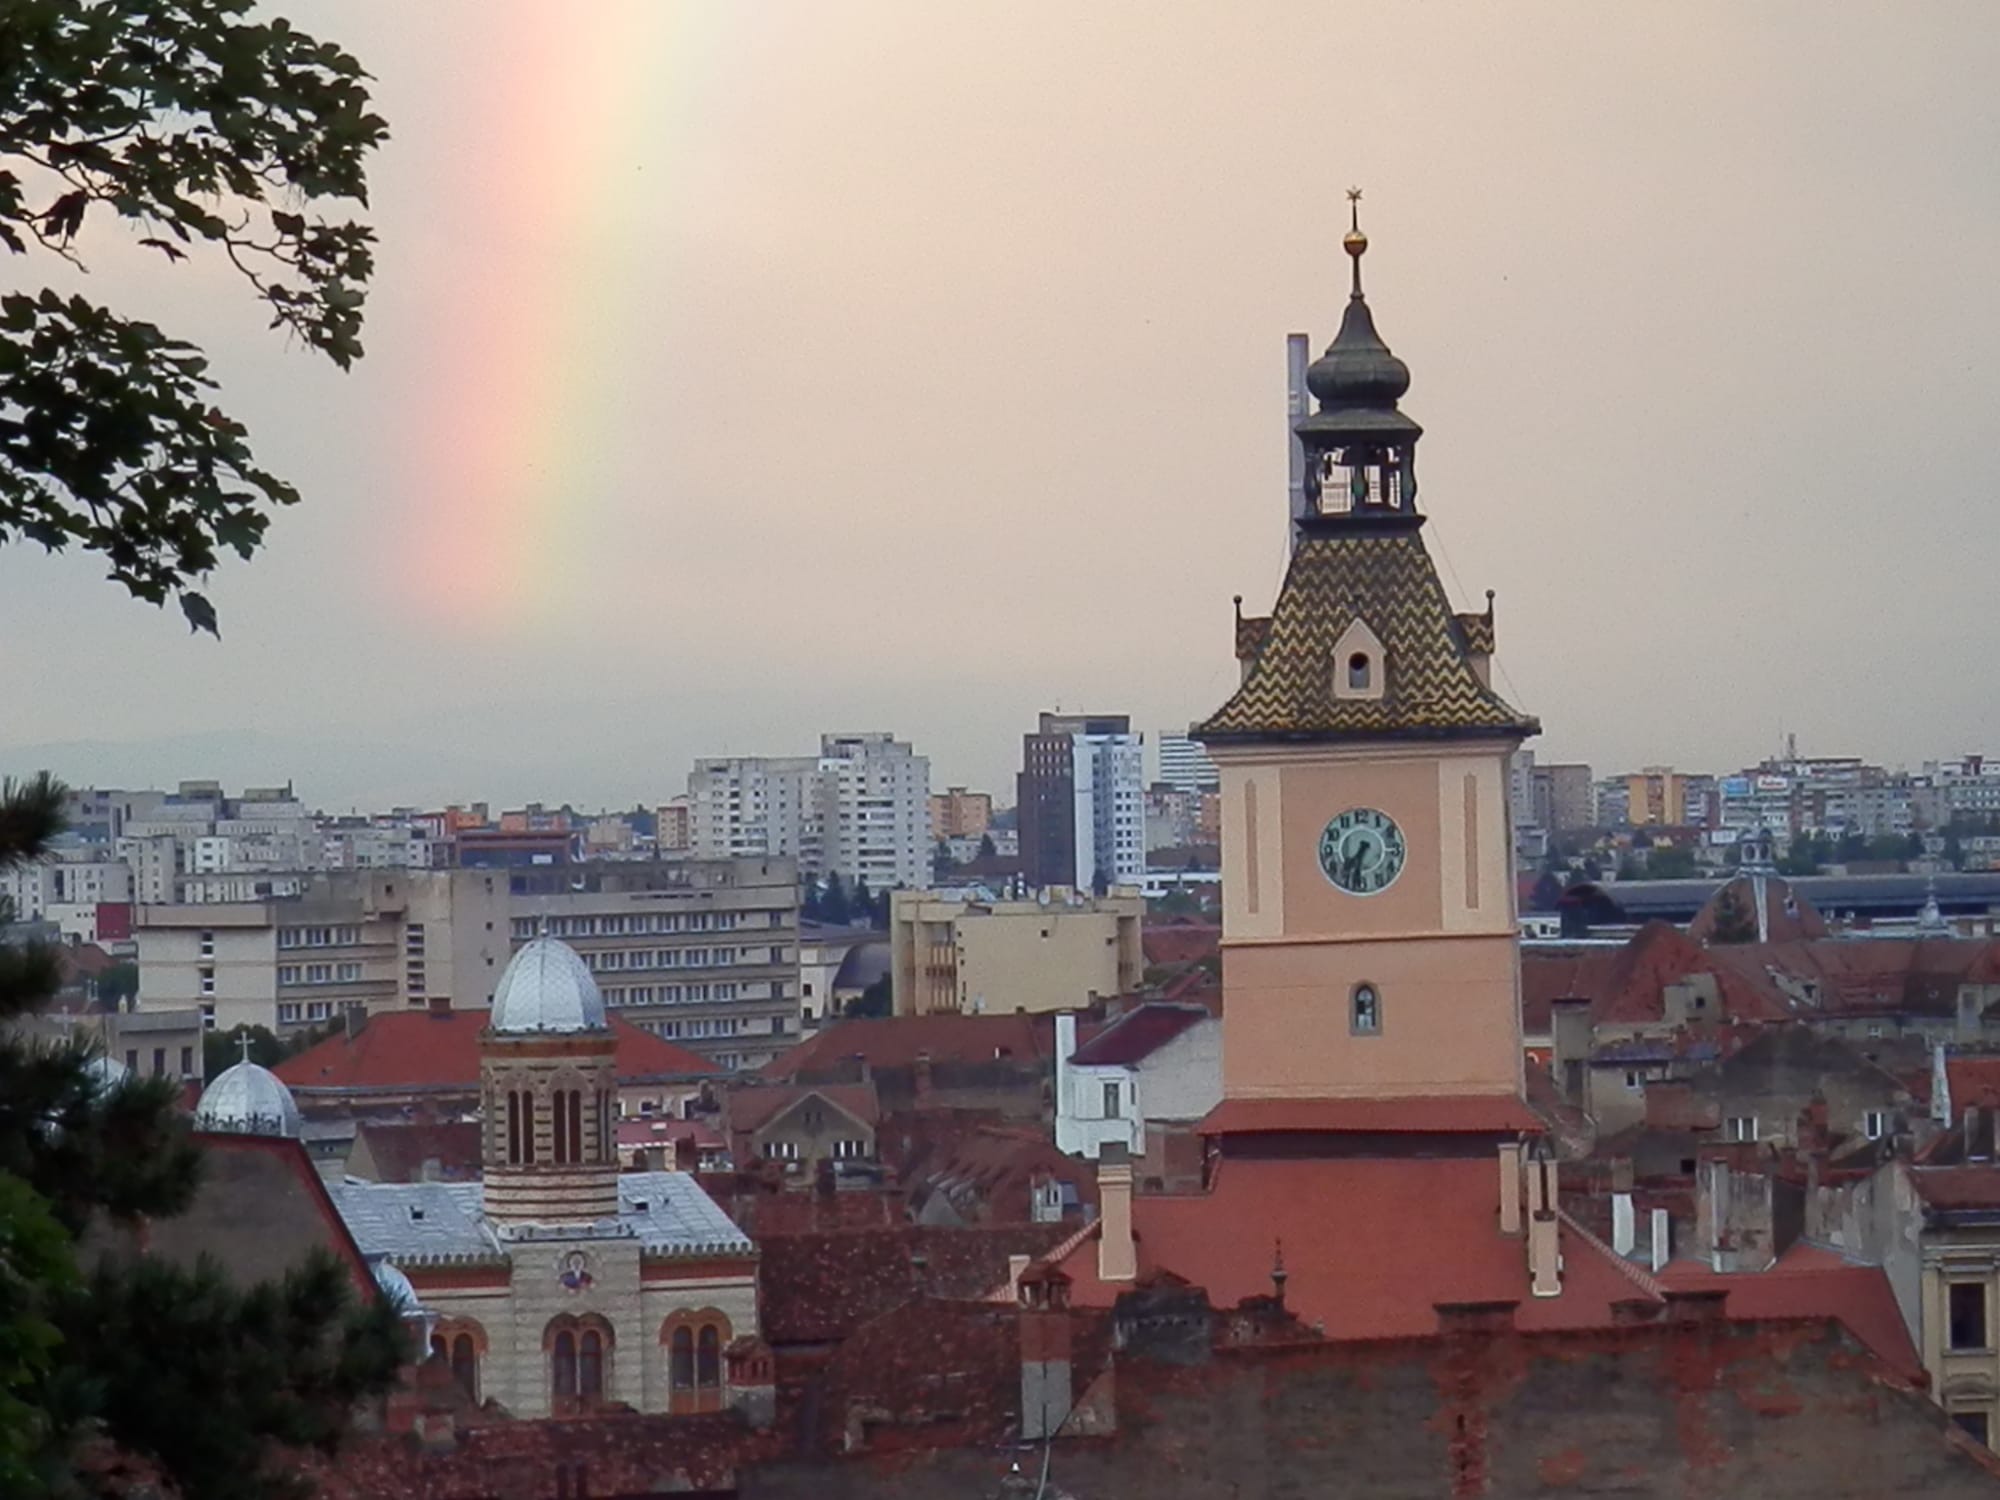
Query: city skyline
{"type": "Point", "coordinates": [1638, 355]}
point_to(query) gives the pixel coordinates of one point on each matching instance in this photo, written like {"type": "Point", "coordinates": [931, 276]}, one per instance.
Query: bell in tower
{"type": "Point", "coordinates": [1360, 450]}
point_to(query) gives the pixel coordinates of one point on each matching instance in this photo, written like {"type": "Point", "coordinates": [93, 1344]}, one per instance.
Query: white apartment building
{"type": "Point", "coordinates": [35, 890]}
{"type": "Point", "coordinates": [860, 809]}
{"type": "Point", "coordinates": [1185, 766]}
{"type": "Point", "coordinates": [1110, 809]}
{"type": "Point", "coordinates": [874, 811]}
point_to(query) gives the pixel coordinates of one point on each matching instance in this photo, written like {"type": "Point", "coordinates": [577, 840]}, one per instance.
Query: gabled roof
{"type": "Point", "coordinates": [1386, 579]}
{"type": "Point", "coordinates": [400, 1151]}
{"type": "Point", "coordinates": [1809, 1282]}
{"type": "Point", "coordinates": [426, 1049]}
{"type": "Point", "coordinates": [897, 1042]}
{"type": "Point", "coordinates": [1788, 915]}
{"type": "Point", "coordinates": [1137, 1035]}
{"type": "Point", "coordinates": [750, 1108]}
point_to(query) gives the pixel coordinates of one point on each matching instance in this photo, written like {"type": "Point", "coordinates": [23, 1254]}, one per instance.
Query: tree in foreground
{"type": "Point", "coordinates": [208, 1383]}
{"type": "Point", "coordinates": [206, 134]}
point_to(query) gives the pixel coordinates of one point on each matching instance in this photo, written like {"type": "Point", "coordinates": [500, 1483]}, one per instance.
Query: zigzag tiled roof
{"type": "Point", "coordinates": [1385, 578]}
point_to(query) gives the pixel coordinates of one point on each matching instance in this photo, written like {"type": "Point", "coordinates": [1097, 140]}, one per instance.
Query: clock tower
{"type": "Point", "coordinates": [1370, 945]}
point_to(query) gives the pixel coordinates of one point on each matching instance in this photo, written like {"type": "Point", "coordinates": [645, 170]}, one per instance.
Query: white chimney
{"type": "Point", "coordinates": [1624, 1224]}
{"type": "Point", "coordinates": [1510, 1187]}
{"type": "Point", "coordinates": [1662, 1246]}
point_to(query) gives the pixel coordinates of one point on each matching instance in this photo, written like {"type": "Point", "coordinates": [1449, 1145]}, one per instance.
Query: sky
{"type": "Point", "coordinates": [738, 372]}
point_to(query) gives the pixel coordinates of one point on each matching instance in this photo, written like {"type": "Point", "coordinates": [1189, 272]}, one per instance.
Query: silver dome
{"type": "Point", "coordinates": [396, 1288]}
{"type": "Point", "coordinates": [248, 1100]}
{"type": "Point", "coordinates": [547, 988]}
{"type": "Point", "coordinates": [105, 1073]}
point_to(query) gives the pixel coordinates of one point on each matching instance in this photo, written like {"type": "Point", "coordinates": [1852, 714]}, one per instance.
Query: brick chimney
{"type": "Point", "coordinates": [753, 1380]}
{"type": "Point", "coordinates": [1117, 1256]}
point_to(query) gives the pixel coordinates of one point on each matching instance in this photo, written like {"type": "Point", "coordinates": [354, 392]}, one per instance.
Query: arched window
{"type": "Point", "coordinates": [513, 1127]}
{"type": "Point", "coordinates": [527, 1127]}
{"type": "Point", "coordinates": [465, 1365]}
{"type": "Point", "coordinates": [680, 1359]}
{"type": "Point", "coordinates": [562, 1364]}
{"type": "Point", "coordinates": [708, 1358]}
{"type": "Point", "coordinates": [1359, 673]}
{"type": "Point", "coordinates": [437, 1344]}
{"type": "Point", "coordinates": [590, 1364]}
{"type": "Point", "coordinates": [576, 1125]}
{"type": "Point", "coordinates": [1365, 1011]}
{"type": "Point", "coordinates": [561, 1126]}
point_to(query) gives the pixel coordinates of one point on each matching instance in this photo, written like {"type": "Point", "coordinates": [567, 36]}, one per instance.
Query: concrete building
{"type": "Point", "coordinates": [959, 814]}
{"type": "Point", "coordinates": [873, 812]}
{"type": "Point", "coordinates": [674, 826]}
{"type": "Point", "coordinates": [1156, 1068]}
{"type": "Point", "coordinates": [1185, 766]}
{"type": "Point", "coordinates": [1081, 799]}
{"type": "Point", "coordinates": [1563, 797]}
{"type": "Point", "coordinates": [1655, 797]}
{"type": "Point", "coordinates": [996, 957]}
{"type": "Point", "coordinates": [700, 952]}
{"type": "Point", "coordinates": [860, 809]}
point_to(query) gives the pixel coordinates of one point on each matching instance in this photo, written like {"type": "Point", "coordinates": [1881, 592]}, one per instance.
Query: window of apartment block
{"type": "Point", "coordinates": [349, 973]}
{"type": "Point", "coordinates": [187, 1062]}
{"type": "Point", "coordinates": [319, 1010]}
{"type": "Point", "coordinates": [1740, 1128]}
{"type": "Point", "coordinates": [159, 1061]}
{"type": "Point", "coordinates": [208, 1018]}
{"type": "Point", "coordinates": [208, 945]}
{"type": "Point", "coordinates": [208, 981]}
{"type": "Point", "coordinates": [1966, 1314]}
{"type": "Point", "coordinates": [288, 1013]}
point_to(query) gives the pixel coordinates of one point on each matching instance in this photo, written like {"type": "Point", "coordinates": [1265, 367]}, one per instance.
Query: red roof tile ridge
{"type": "Point", "coordinates": [1639, 1278]}
{"type": "Point", "coordinates": [1064, 1249]}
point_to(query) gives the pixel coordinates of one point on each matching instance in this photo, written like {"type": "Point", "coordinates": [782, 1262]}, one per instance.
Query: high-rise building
{"type": "Point", "coordinates": [1082, 802]}
{"type": "Point", "coordinates": [1564, 797]}
{"type": "Point", "coordinates": [1185, 766]}
{"type": "Point", "coordinates": [860, 809]}
{"type": "Point", "coordinates": [1656, 797]}
{"type": "Point", "coordinates": [874, 811]}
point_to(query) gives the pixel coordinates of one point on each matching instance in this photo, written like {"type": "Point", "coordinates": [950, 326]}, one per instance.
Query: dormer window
{"type": "Point", "coordinates": [1359, 663]}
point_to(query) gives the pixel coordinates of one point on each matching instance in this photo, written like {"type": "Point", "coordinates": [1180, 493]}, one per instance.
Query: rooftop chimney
{"type": "Point", "coordinates": [1544, 1243]}
{"type": "Point", "coordinates": [1624, 1224]}
{"type": "Point", "coordinates": [1117, 1256]}
{"type": "Point", "coordinates": [1510, 1187]}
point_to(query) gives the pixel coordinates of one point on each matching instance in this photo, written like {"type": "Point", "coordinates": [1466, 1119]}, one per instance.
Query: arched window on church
{"type": "Point", "coordinates": [1365, 1011]}
{"type": "Point", "coordinates": [576, 1125]}
{"type": "Point", "coordinates": [561, 1122]}
{"type": "Point", "coordinates": [465, 1365]}
{"type": "Point", "coordinates": [590, 1364]}
{"type": "Point", "coordinates": [708, 1358]}
{"type": "Point", "coordinates": [562, 1365]}
{"type": "Point", "coordinates": [514, 1123]}
{"type": "Point", "coordinates": [1360, 675]}
{"type": "Point", "coordinates": [680, 1359]}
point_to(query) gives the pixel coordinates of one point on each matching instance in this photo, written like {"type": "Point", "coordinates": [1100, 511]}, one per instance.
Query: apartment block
{"type": "Point", "coordinates": [995, 957]}
{"type": "Point", "coordinates": [1081, 800]}
{"type": "Point", "coordinates": [959, 814]}
{"type": "Point", "coordinates": [1185, 766]}
{"type": "Point", "coordinates": [860, 809]}
{"type": "Point", "coordinates": [703, 953]}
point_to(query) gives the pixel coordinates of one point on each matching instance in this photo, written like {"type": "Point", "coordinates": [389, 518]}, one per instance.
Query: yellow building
{"type": "Point", "coordinates": [1656, 796]}
{"type": "Point", "coordinates": [993, 957]}
{"type": "Point", "coordinates": [959, 814]}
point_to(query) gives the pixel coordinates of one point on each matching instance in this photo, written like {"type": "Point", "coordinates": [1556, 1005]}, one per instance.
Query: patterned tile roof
{"type": "Point", "coordinates": [1385, 578]}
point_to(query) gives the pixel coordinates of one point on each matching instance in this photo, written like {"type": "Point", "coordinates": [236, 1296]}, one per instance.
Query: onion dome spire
{"type": "Point", "coordinates": [1357, 369]}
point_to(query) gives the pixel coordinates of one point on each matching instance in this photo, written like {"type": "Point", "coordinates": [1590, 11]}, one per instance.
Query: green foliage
{"type": "Point", "coordinates": [118, 984]}
{"type": "Point", "coordinates": [1670, 862]}
{"type": "Point", "coordinates": [199, 1375]}
{"type": "Point", "coordinates": [203, 132]}
{"type": "Point", "coordinates": [876, 1000]}
{"type": "Point", "coordinates": [833, 907]}
{"type": "Point", "coordinates": [35, 1271]}
{"type": "Point", "coordinates": [942, 864]}
{"type": "Point", "coordinates": [987, 848]}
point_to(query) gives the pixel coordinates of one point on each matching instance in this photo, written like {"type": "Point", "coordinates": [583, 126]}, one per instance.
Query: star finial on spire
{"type": "Point", "coordinates": [1355, 243]}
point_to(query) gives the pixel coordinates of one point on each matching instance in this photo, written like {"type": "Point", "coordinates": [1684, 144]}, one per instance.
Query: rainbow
{"type": "Point", "coordinates": [565, 138]}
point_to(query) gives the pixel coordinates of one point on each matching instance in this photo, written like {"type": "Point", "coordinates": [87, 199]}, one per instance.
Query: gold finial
{"type": "Point", "coordinates": [1354, 242]}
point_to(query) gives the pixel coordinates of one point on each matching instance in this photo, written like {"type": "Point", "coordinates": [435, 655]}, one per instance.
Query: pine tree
{"type": "Point", "coordinates": [172, 1365]}
{"type": "Point", "coordinates": [863, 908]}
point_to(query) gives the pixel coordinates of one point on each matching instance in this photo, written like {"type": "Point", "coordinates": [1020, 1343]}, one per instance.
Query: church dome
{"type": "Point", "coordinates": [547, 988]}
{"type": "Point", "coordinates": [248, 1100]}
{"type": "Point", "coordinates": [395, 1288]}
{"type": "Point", "coordinates": [105, 1073]}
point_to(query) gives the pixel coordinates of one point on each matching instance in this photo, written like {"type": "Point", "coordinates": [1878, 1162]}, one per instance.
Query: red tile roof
{"type": "Point", "coordinates": [1958, 1187]}
{"type": "Point", "coordinates": [1974, 1083]}
{"type": "Point", "coordinates": [751, 1108]}
{"type": "Point", "coordinates": [1371, 1245]}
{"type": "Point", "coordinates": [1452, 1114]}
{"type": "Point", "coordinates": [896, 1042]}
{"type": "Point", "coordinates": [423, 1049]}
{"type": "Point", "coordinates": [1808, 1282]}
{"type": "Point", "coordinates": [1787, 914]}
{"type": "Point", "coordinates": [401, 1151]}
{"type": "Point", "coordinates": [1137, 1035]}
{"type": "Point", "coordinates": [1179, 942]}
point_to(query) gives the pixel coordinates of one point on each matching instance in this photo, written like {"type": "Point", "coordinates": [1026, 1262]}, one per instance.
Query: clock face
{"type": "Point", "coordinates": [1362, 851]}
